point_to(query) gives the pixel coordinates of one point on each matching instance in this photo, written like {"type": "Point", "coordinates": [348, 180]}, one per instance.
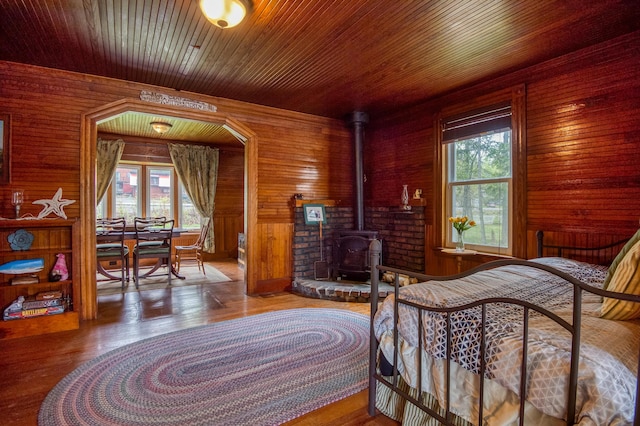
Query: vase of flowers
{"type": "Point", "coordinates": [461, 224]}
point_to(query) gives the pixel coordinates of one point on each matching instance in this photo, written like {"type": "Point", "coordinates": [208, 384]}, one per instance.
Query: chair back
{"type": "Point", "coordinates": [154, 230]}
{"type": "Point", "coordinates": [110, 231]}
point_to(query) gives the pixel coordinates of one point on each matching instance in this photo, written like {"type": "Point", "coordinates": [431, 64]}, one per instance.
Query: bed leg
{"type": "Point", "coordinates": [375, 248]}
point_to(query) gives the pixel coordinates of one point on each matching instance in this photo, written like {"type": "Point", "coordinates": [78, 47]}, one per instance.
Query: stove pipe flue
{"type": "Point", "coordinates": [358, 119]}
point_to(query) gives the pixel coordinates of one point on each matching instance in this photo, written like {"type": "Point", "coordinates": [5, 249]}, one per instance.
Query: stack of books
{"type": "Point", "coordinates": [43, 303]}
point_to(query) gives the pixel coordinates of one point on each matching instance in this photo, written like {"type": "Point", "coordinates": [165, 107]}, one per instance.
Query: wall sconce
{"type": "Point", "coordinates": [224, 13]}
{"type": "Point", "coordinates": [160, 127]}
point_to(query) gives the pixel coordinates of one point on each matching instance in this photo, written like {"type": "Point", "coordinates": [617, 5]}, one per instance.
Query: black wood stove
{"type": "Point", "coordinates": [351, 247]}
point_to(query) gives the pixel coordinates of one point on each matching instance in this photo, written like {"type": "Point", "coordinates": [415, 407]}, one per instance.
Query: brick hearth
{"type": "Point", "coordinates": [403, 247]}
{"type": "Point", "coordinates": [339, 291]}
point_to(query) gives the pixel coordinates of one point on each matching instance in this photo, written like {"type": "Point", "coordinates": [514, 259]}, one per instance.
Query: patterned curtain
{"type": "Point", "coordinates": [108, 155]}
{"type": "Point", "coordinates": [197, 168]}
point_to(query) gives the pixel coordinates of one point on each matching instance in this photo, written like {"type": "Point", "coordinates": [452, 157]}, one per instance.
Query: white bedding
{"type": "Point", "coordinates": [609, 349]}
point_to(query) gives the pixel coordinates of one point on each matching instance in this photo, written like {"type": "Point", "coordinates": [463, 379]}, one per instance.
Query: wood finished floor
{"type": "Point", "coordinates": [30, 367]}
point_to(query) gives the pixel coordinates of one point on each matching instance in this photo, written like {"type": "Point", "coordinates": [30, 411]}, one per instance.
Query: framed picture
{"type": "Point", "coordinates": [5, 148]}
{"type": "Point", "coordinates": [314, 214]}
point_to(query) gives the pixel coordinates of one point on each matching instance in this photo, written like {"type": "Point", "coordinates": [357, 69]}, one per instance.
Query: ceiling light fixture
{"type": "Point", "coordinates": [160, 127]}
{"type": "Point", "coordinates": [224, 13]}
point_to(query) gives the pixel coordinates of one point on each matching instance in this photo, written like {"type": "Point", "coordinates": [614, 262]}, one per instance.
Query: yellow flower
{"type": "Point", "coordinates": [461, 224]}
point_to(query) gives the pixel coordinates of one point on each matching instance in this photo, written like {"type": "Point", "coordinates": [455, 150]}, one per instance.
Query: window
{"type": "Point", "coordinates": [125, 194]}
{"type": "Point", "coordinates": [160, 191]}
{"type": "Point", "coordinates": [189, 216]}
{"type": "Point", "coordinates": [145, 190]}
{"type": "Point", "coordinates": [478, 177]}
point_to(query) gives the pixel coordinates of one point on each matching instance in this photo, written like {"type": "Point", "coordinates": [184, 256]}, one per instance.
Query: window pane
{"type": "Point", "coordinates": [127, 194]}
{"type": "Point", "coordinates": [189, 216]}
{"type": "Point", "coordinates": [487, 205]}
{"type": "Point", "coordinates": [483, 157]}
{"type": "Point", "coordinates": [160, 192]}
{"type": "Point", "coordinates": [101, 208]}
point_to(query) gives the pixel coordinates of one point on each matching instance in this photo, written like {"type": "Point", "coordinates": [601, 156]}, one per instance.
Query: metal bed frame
{"type": "Point", "coordinates": [573, 328]}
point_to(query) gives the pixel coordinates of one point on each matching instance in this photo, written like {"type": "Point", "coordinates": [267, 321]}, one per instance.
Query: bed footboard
{"type": "Point", "coordinates": [444, 415]}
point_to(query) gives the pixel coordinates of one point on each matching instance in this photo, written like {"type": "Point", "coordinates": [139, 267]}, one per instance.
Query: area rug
{"type": "Point", "coordinates": [192, 275]}
{"type": "Point", "coordinates": [259, 370]}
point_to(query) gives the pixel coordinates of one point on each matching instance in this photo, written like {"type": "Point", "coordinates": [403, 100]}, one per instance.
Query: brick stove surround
{"type": "Point", "coordinates": [402, 234]}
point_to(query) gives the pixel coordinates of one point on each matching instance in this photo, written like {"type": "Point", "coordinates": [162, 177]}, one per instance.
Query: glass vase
{"type": "Point", "coordinates": [404, 198]}
{"type": "Point", "coordinates": [460, 243]}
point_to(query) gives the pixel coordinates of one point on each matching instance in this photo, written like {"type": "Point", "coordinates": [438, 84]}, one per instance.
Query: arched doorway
{"type": "Point", "coordinates": [89, 308]}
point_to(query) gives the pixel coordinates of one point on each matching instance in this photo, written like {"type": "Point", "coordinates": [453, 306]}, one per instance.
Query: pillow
{"type": "Point", "coordinates": [614, 265]}
{"type": "Point", "coordinates": [625, 279]}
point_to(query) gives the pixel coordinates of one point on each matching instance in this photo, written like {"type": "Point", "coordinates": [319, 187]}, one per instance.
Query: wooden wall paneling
{"type": "Point", "coordinates": [318, 169]}
{"type": "Point", "coordinates": [582, 136]}
{"type": "Point", "coordinates": [227, 228]}
{"type": "Point", "coordinates": [230, 187]}
{"type": "Point", "coordinates": [399, 152]}
{"type": "Point", "coordinates": [275, 239]}
{"type": "Point", "coordinates": [47, 106]}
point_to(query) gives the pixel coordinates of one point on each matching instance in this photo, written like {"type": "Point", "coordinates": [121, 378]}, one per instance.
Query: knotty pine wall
{"type": "Point", "coordinates": [583, 166]}
{"type": "Point", "coordinates": [297, 153]}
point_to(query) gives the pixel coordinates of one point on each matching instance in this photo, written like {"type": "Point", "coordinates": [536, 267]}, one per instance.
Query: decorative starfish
{"type": "Point", "coordinates": [54, 205]}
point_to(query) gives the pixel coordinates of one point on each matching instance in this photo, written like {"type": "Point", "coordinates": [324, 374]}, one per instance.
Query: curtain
{"type": "Point", "coordinates": [197, 168]}
{"type": "Point", "coordinates": [108, 155]}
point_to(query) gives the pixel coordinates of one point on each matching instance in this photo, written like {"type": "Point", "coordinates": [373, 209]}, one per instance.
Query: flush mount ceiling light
{"type": "Point", "coordinates": [160, 127]}
{"type": "Point", "coordinates": [224, 13]}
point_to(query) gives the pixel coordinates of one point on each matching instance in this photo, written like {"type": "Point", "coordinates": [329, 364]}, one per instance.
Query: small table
{"type": "Point", "coordinates": [459, 255]}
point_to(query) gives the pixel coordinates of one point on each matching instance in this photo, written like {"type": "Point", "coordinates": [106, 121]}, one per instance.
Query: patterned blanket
{"type": "Point", "coordinates": [609, 349]}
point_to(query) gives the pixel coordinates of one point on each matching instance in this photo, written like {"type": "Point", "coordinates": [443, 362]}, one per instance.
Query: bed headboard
{"type": "Point", "coordinates": [598, 249]}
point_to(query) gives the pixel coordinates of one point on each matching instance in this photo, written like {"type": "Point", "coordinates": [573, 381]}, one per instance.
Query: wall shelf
{"type": "Point", "coordinates": [51, 236]}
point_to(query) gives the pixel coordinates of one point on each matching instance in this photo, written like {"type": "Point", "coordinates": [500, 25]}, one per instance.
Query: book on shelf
{"type": "Point", "coordinates": [47, 295]}
{"type": "Point", "coordinates": [30, 313]}
{"type": "Point", "coordinates": [51, 303]}
{"type": "Point", "coordinates": [32, 303]}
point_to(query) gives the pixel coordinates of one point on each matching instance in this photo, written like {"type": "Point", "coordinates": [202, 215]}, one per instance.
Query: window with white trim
{"type": "Point", "coordinates": [478, 177]}
{"type": "Point", "coordinates": [148, 190]}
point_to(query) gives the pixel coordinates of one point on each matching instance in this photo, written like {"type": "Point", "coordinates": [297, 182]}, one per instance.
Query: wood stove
{"type": "Point", "coordinates": [351, 247]}
{"type": "Point", "coordinates": [351, 254]}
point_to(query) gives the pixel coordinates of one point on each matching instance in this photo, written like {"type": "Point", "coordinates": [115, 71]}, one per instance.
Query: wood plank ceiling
{"type": "Point", "coordinates": [323, 57]}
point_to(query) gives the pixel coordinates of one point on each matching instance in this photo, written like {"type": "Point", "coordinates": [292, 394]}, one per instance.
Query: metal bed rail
{"type": "Point", "coordinates": [448, 418]}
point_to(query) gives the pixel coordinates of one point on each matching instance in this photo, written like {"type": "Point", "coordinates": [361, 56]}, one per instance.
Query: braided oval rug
{"type": "Point", "coordinates": [264, 369]}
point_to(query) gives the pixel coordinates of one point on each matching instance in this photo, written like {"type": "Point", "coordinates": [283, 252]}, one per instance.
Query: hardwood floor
{"type": "Point", "coordinates": [30, 367]}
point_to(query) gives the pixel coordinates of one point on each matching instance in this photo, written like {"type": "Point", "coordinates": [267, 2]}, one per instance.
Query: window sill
{"type": "Point", "coordinates": [447, 251]}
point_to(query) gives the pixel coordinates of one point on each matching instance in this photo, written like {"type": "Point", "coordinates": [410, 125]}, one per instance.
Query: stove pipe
{"type": "Point", "coordinates": [358, 119]}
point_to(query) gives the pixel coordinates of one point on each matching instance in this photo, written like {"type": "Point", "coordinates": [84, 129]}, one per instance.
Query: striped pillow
{"type": "Point", "coordinates": [614, 265]}
{"type": "Point", "coordinates": [625, 279]}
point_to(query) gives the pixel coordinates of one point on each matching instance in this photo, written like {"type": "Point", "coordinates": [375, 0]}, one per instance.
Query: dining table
{"type": "Point", "coordinates": [131, 236]}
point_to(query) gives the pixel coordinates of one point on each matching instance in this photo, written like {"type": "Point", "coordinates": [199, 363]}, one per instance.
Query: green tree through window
{"type": "Point", "coordinates": [478, 182]}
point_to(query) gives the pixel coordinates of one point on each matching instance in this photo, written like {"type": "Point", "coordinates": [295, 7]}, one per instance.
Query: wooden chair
{"type": "Point", "coordinates": [193, 252]}
{"type": "Point", "coordinates": [111, 247]}
{"type": "Point", "coordinates": [153, 241]}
